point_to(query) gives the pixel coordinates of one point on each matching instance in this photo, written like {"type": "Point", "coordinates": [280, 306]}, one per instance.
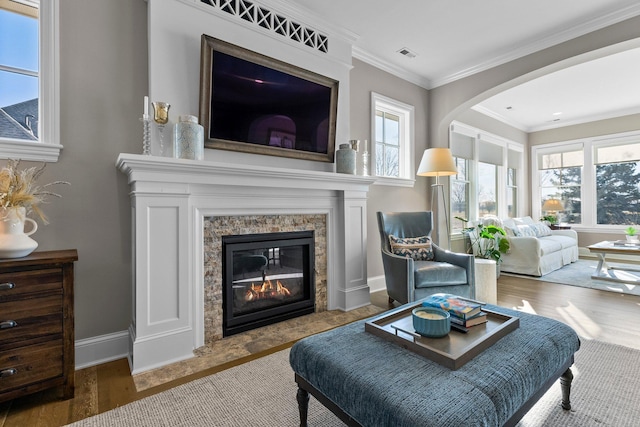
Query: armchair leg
{"type": "Point", "coordinates": [391, 300]}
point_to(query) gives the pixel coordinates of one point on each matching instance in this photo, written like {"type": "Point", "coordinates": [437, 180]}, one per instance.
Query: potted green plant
{"type": "Point", "coordinates": [551, 219]}
{"type": "Point", "coordinates": [632, 234]}
{"type": "Point", "coordinates": [486, 241]}
{"type": "Point", "coordinates": [490, 242]}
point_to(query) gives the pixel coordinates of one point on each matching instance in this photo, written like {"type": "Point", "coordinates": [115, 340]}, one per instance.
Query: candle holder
{"type": "Point", "coordinates": [161, 118]}
{"type": "Point", "coordinates": [146, 135]}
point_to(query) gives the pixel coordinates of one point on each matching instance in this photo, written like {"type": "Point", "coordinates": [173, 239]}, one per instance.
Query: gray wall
{"type": "Point", "coordinates": [103, 68]}
{"type": "Point", "coordinates": [364, 80]}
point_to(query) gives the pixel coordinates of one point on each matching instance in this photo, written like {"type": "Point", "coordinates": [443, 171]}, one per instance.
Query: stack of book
{"type": "Point", "coordinates": [464, 313]}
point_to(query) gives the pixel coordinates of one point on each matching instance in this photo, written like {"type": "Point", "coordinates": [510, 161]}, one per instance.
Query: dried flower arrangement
{"type": "Point", "coordinates": [19, 188]}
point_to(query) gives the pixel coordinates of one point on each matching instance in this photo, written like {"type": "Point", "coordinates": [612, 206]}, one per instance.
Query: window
{"type": "Point", "coordinates": [617, 178]}
{"type": "Point", "coordinates": [392, 130]}
{"type": "Point", "coordinates": [28, 80]}
{"type": "Point", "coordinates": [595, 180]}
{"type": "Point", "coordinates": [487, 189]}
{"type": "Point", "coordinates": [560, 179]}
{"type": "Point", "coordinates": [489, 171]}
{"type": "Point", "coordinates": [514, 168]}
{"type": "Point", "coordinates": [460, 186]}
{"type": "Point", "coordinates": [512, 192]}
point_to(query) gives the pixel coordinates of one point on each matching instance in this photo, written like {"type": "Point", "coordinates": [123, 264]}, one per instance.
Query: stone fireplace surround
{"type": "Point", "coordinates": [171, 202]}
{"type": "Point", "coordinates": [218, 226]}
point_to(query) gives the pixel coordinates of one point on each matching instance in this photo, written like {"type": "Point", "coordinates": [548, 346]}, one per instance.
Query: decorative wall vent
{"type": "Point", "coordinates": [272, 21]}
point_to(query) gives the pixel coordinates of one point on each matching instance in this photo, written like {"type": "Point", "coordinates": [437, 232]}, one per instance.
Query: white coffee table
{"type": "Point", "coordinates": [606, 272]}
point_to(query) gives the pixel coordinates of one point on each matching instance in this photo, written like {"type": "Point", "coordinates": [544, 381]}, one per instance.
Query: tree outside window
{"type": "Point", "coordinates": [387, 144]}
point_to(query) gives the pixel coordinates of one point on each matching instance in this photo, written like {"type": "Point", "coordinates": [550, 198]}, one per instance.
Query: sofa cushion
{"type": "Point", "coordinates": [564, 241]}
{"type": "Point", "coordinates": [548, 245]}
{"type": "Point", "coordinates": [418, 248]}
{"type": "Point", "coordinates": [428, 274]}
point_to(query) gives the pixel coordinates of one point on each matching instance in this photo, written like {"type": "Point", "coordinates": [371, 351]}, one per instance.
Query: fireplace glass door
{"type": "Point", "coordinates": [267, 278]}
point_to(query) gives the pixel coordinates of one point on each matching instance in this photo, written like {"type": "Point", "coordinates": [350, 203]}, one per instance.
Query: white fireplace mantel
{"type": "Point", "coordinates": [170, 199]}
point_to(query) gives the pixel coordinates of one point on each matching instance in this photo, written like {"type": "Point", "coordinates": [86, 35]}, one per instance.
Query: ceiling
{"type": "Point", "coordinates": [452, 40]}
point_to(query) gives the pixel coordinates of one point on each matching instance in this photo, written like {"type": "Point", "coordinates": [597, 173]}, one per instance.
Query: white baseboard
{"type": "Point", "coordinates": [376, 283]}
{"type": "Point", "coordinates": [101, 349]}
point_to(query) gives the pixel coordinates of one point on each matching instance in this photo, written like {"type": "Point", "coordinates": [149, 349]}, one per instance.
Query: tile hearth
{"type": "Point", "coordinates": [252, 342]}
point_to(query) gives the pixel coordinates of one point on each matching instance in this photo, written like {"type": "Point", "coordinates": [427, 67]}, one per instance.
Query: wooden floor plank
{"type": "Point", "coordinates": [595, 314]}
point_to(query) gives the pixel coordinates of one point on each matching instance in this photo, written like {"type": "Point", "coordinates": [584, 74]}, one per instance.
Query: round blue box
{"type": "Point", "coordinates": [436, 322]}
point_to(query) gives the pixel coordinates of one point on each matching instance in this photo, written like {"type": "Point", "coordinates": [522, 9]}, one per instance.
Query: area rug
{"type": "Point", "coordinates": [579, 274]}
{"type": "Point", "coordinates": [263, 393]}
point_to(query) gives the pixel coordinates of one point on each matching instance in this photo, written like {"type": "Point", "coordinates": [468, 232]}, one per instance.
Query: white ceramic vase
{"type": "Point", "coordinates": [14, 242]}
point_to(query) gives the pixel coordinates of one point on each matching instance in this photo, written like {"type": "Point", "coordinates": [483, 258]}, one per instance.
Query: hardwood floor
{"type": "Point", "coordinates": [594, 314]}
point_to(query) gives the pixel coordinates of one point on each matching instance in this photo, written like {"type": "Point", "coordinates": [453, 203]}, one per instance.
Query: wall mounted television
{"type": "Point", "coordinates": [256, 104]}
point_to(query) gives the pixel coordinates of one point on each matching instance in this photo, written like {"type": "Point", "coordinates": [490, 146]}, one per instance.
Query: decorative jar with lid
{"type": "Point", "coordinates": [346, 159]}
{"type": "Point", "coordinates": [188, 141]}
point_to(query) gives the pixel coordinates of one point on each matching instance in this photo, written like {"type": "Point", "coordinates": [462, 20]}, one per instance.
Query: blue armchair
{"type": "Point", "coordinates": [409, 280]}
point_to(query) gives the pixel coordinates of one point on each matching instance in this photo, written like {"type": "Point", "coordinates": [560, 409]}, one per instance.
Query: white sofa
{"type": "Point", "coordinates": [535, 249]}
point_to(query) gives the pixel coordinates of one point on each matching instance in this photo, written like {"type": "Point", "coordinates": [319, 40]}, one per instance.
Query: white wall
{"type": "Point", "coordinates": [175, 29]}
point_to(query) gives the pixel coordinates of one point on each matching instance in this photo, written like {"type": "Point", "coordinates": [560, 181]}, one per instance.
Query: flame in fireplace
{"type": "Point", "coordinates": [266, 290]}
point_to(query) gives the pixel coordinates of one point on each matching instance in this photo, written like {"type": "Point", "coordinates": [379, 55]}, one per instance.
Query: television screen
{"type": "Point", "coordinates": [253, 103]}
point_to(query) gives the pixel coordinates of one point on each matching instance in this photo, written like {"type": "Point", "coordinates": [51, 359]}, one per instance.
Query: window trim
{"type": "Point", "coordinates": [407, 144]}
{"type": "Point", "coordinates": [588, 187]}
{"type": "Point", "coordinates": [482, 137]}
{"type": "Point", "coordinates": [48, 148]}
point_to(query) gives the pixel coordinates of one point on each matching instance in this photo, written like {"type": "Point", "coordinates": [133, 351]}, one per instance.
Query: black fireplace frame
{"type": "Point", "coordinates": [231, 324]}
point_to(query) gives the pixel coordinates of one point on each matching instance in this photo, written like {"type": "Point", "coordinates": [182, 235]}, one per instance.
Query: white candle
{"type": "Point", "coordinates": [146, 106]}
{"type": "Point", "coordinates": [366, 146]}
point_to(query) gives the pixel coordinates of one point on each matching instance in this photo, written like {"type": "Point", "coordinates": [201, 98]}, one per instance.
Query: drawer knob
{"type": "Point", "coordinates": [8, 372]}
{"type": "Point", "coordinates": [8, 324]}
{"type": "Point", "coordinates": [7, 286]}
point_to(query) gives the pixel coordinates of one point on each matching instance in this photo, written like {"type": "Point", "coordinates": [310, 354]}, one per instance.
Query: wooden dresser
{"type": "Point", "coordinates": [36, 324]}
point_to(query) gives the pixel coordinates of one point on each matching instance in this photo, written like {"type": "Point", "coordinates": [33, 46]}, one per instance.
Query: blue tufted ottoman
{"type": "Point", "coordinates": [368, 381]}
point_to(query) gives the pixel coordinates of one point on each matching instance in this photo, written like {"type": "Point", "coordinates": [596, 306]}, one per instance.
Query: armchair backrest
{"type": "Point", "coordinates": [403, 224]}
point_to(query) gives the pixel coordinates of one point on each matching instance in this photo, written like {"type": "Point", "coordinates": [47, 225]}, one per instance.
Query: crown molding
{"type": "Point", "coordinates": [543, 43]}
{"type": "Point", "coordinates": [555, 125]}
{"type": "Point", "coordinates": [387, 66]}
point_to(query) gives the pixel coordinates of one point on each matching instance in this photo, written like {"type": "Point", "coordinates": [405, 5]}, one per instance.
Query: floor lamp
{"type": "Point", "coordinates": [438, 162]}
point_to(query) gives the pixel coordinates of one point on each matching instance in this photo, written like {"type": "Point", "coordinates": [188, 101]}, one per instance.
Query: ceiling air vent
{"type": "Point", "coordinates": [406, 52]}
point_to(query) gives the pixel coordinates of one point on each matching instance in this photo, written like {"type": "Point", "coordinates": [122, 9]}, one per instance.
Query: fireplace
{"type": "Point", "coordinates": [267, 278]}
{"type": "Point", "coordinates": [181, 209]}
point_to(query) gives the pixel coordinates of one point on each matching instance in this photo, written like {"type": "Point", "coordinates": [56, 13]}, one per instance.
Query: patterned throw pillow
{"type": "Point", "coordinates": [418, 248]}
{"type": "Point", "coordinates": [541, 229]}
{"type": "Point", "coordinates": [525, 231]}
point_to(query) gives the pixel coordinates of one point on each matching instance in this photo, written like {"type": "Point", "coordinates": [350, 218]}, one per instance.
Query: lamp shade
{"type": "Point", "coordinates": [437, 162]}
{"type": "Point", "coordinates": [552, 205]}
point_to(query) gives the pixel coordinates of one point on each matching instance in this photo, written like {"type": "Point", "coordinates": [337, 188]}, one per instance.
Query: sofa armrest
{"type": "Point", "coordinates": [398, 275]}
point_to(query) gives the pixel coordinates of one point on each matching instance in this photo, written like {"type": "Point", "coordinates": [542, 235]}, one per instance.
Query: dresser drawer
{"type": "Point", "coordinates": [28, 365]}
{"type": "Point", "coordinates": [23, 320]}
{"type": "Point", "coordinates": [20, 283]}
